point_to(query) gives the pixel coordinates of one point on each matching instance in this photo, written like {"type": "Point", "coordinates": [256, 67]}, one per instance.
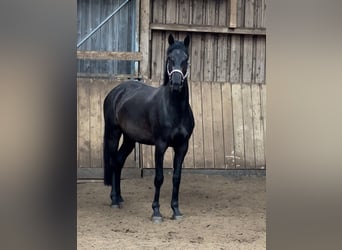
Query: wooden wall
{"type": "Point", "coordinates": [90, 124]}
{"type": "Point", "coordinates": [227, 83]}
{"type": "Point", "coordinates": [227, 80]}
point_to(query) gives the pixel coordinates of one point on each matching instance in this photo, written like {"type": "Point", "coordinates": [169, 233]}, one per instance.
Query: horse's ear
{"type": "Point", "coordinates": [187, 41]}
{"type": "Point", "coordinates": [171, 39]}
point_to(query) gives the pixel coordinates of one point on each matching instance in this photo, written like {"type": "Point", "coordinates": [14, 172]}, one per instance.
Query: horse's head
{"type": "Point", "coordinates": [177, 62]}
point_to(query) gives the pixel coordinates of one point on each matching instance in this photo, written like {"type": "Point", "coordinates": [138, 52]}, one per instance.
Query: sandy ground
{"type": "Point", "coordinates": [219, 213]}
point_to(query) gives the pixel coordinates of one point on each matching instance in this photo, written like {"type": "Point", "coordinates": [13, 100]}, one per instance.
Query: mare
{"type": "Point", "coordinates": [154, 116]}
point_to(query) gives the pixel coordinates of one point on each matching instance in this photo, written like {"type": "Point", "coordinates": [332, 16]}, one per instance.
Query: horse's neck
{"type": "Point", "coordinates": [177, 100]}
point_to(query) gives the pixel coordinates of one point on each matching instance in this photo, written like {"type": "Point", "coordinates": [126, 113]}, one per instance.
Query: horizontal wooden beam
{"type": "Point", "coordinates": [109, 55]}
{"type": "Point", "coordinates": [208, 29]}
{"type": "Point", "coordinates": [108, 76]}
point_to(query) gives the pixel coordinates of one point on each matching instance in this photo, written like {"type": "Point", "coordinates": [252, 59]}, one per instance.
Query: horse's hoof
{"type": "Point", "coordinates": [177, 217]}
{"type": "Point", "coordinates": [116, 205]}
{"type": "Point", "coordinates": [157, 219]}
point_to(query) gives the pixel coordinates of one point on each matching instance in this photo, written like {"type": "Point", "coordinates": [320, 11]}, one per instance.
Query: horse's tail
{"type": "Point", "coordinates": [108, 168]}
{"type": "Point", "coordinates": [107, 141]}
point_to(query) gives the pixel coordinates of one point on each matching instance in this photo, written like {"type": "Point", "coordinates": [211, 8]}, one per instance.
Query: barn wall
{"type": "Point", "coordinates": [227, 82]}
{"type": "Point", "coordinates": [90, 127]}
{"type": "Point", "coordinates": [118, 34]}
{"type": "Point", "coordinates": [227, 85]}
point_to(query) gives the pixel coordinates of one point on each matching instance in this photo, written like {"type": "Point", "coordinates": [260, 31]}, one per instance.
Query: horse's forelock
{"type": "Point", "coordinates": [177, 45]}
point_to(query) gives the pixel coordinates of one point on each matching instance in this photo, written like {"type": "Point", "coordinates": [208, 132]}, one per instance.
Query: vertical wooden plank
{"type": "Point", "coordinates": [260, 12]}
{"type": "Point", "coordinates": [184, 12]}
{"type": "Point", "coordinates": [248, 43]}
{"type": "Point", "coordinates": [84, 122]}
{"type": "Point", "coordinates": [209, 58]}
{"type": "Point", "coordinates": [147, 156]}
{"type": "Point", "coordinates": [263, 91]}
{"type": "Point", "coordinates": [189, 158]}
{"type": "Point", "coordinates": [222, 73]}
{"type": "Point", "coordinates": [222, 13]}
{"type": "Point", "coordinates": [197, 12]}
{"type": "Point", "coordinates": [233, 14]}
{"type": "Point", "coordinates": [248, 126]}
{"type": "Point", "coordinates": [247, 68]}
{"type": "Point", "coordinates": [157, 64]}
{"type": "Point", "coordinates": [207, 125]}
{"type": "Point", "coordinates": [239, 151]}
{"type": "Point", "coordinates": [95, 123]}
{"type": "Point", "coordinates": [172, 12]}
{"type": "Point", "coordinates": [157, 11]}
{"type": "Point", "coordinates": [198, 130]}
{"type": "Point", "coordinates": [196, 58]}
{"type": "Point", "coordinates": [219, 154]}
{"type": "Point", "coordinates": [249, 13]}
{"type": "Point", "coordinates": [260, 60]}
{"type": "Point", "coordinates": [235, 59]}
{"type": "Point", "coordinates": [258, 128]}
{"type": "Point", "coordinates": [210, 15]}
{"type": "Point", "coordinates": [228, 132]}
{"type": "Point", "coordinates": [144, 38]}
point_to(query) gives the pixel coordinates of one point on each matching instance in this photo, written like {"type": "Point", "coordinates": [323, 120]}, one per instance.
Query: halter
{"type": "Point", "coordinates": [179, 71]}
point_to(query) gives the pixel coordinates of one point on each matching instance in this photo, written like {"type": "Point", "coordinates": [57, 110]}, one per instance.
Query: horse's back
{"type": "Point", "coordinates": [127, 106]}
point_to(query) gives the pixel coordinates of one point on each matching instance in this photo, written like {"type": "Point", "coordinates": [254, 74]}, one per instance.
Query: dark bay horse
{"type": "Point", "coordinates": [155, 116]}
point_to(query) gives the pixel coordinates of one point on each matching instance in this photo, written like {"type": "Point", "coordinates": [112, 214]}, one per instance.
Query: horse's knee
{"type": "Point", "coordinates": [158, 180]}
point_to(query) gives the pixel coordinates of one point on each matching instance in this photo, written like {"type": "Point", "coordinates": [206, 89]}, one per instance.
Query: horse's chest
{"type": "Point", "coordinates": [178, 135]}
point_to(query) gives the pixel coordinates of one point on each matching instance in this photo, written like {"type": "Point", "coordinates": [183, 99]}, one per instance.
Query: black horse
{"type": "Point", "coordinates": [155, 116]}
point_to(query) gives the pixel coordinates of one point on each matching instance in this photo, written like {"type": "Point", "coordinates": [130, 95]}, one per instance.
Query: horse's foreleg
{"type": "Point", "coordinates": [180, 153]}
{"type": "Point", "coordinates": [158, 180]}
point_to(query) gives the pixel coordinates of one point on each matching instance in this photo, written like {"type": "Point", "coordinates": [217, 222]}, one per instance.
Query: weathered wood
{"type": "Point", "coordinates": [189, 158]}
{"type": "Point", "coordinates": [228, 132]}
{"type": "Point", "coordinates": [208, 29]}
{"type": "Point", "coordinates": [157, 62]}
{"type": "Point", "coordinates": [184, 12]}
{"type": "Point", "coordinates": [223, 13]}
{"type": "Point", "coordinates": [171, 13]}
{"type": "Point", "coordinates": [209, 58]}
{"type": "Point", "coordinates": [197, 10]}
{"type": "Point", "coordinates": [109, 55]}
{"type": "Point", "coordinates": [83, 92]}
{"type": "Point", "coordinates": [222, 66]}
{"type": "Point", "coordinates": [258, 128]}
{"type": "Point", "coordinates": [248, 126]}
{"type": "Point", "coordinates": [260, 60]}
{"type": "Point", "coordinates": [239, 150]}
{"type": "Point", "coordinates": [95, 123]}
{"type": "Point", "coordinates": [247, 59]}
{"type": "Point", "coordinates": [145, 38]}
{"type": "Point", "coordinates": [218, 133]}
{"type": "Point", "coordinates": [198, 130]}
{"type": "Point", "coordinates": [249, 13]}
{"type": "Point", "coordinates": [196, 61]}
{"type": "Point", "coordinates": [233, 14]}
{"type": "Point", "coordinates": [263, 111]}
{"type": "Point", "coordinates": [107, 76]}
{"type": "Point", "coordinates": [235, 59]}
{"type": "Point", "coordinates": [207, 125]}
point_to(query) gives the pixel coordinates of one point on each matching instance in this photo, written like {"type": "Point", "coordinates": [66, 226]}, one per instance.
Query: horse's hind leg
{"type": "Point", "coordinates": [119, 160]}
{"type": "Point", "coordinates": [111, 177]}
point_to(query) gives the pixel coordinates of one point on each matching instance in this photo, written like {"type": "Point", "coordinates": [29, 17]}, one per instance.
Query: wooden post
{"type": "Point", "coordinates": [233, 16]}
{"type": "Point", "coordinates": [145, 38]}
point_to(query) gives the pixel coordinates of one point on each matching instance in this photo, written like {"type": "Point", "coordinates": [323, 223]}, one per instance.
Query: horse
{"type": "Point", "coordinates": [159, 116]}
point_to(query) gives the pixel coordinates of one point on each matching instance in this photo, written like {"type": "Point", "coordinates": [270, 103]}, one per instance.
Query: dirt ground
{"type": "Point", "coordinates": [219, 213]}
